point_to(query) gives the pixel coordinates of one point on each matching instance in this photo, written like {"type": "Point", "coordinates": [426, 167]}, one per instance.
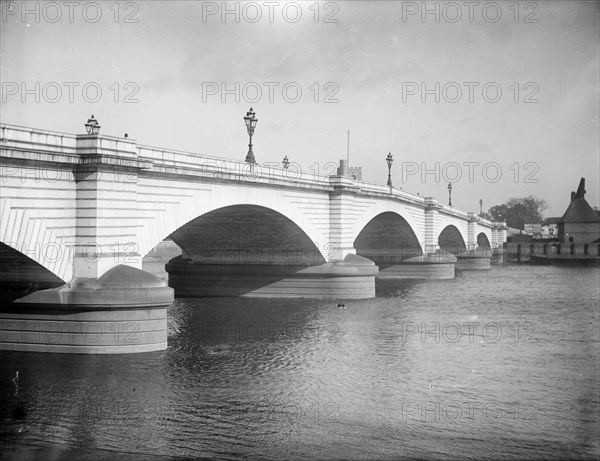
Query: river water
{"type": "Point", "coordinates": [499, 364]}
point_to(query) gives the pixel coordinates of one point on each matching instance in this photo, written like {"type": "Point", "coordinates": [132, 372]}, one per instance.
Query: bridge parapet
{"type": "Point", "coordinates": [14, 136]}
{"type": "Point", "coordinates": [211, 167]}
{"type": "Point", "coordinates": [91, 144]}
{"type": "Point", "coordinates": [393, 193]}
{"type": "Point", "coordinates": [451, 211]}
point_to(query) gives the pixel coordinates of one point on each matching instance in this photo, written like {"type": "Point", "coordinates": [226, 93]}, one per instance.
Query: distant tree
{"type": "Point", "coordinates": [498, 212]}
{"type": "Point", "coordinates": [518, 211]}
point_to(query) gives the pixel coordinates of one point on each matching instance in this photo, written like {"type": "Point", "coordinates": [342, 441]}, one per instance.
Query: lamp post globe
{"type": "Point", "coordinates": [389, 159]}
{"type": "Point", "coordinates": [92, 126]}
{"type": "Point", "coordinates": [251, 121]}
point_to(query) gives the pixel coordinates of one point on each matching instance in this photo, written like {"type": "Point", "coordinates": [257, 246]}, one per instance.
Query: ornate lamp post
{"type": "Point", "coordinates": [481, 207]}
{"type": "Point", "coordinates": [449, 194]}
{"type": "Point", "coordinates": [92, 126]}
{"type": "Point", "coordinates": [389, 159]}
{"type": "Point", "coordinates": [286, 162]}
{"type": "Point", "coordinates": [251, 122]}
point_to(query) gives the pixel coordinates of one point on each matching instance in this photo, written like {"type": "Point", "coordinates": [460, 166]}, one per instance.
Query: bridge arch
{"type": "Point", "coordinates": [412, 215]}
{"type": "Point", "coordinates": [451, 240]}
{"type": "Point", "coordinates": [193, 203]}
{"type": "Point", "coordinates": [246, 234]}
{"type": "Point", "coordinates": [483, 241]}
{"type": "Point", "coordinates": [387, 238]}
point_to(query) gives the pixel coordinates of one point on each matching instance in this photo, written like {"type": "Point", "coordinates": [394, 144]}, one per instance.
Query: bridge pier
{"type": "Point", "coordinates": [436, 265]}
{"type": "Point", "coordinates": [471, 238]}
{"type": "Point", "coordinates": [497, 256]}
{"type": "Point", "coordinates": [477, 259]}
{"type": "Point", "coordinates": [352, 278]}
{"type": "Point", "coordinates": [123, 311]}
{"type": "Point", "coordinates": [431, 217]}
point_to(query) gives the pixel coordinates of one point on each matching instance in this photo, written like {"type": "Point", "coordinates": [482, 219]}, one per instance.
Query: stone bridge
{"type": "Point", "coordinates": [79, 212]}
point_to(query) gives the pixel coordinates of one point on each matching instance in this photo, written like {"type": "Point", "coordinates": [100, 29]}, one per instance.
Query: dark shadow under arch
{"type": "Point", "coordinates": [387, 239]}
{"type": "Point", "coordinates": [483, 241]}
{"type": "Point", "coordinates": [20, 275]}
{"type": "Point", "coordinates": [451, 240]}
{"type": "Point", "coordinates": [246, 234]}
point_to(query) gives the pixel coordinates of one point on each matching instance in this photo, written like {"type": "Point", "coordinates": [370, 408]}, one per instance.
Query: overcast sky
{"type": "Point", "coordinates": [360, 66]}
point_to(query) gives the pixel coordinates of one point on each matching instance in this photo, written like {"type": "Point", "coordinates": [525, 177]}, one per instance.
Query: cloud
{"type": "Point", "coordinates": [479, 147]}
{"type": "Point", "coordinates": [162, 83]}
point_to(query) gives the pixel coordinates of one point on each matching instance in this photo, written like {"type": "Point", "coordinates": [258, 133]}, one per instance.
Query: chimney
{"type": "Point", "coordinates": [572, 196]}
{"type": "Point", "coordinates": [581, 189]}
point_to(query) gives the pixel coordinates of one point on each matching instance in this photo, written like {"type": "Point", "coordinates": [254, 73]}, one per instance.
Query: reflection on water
{"type": "Point", "coordinates": [499, 364]}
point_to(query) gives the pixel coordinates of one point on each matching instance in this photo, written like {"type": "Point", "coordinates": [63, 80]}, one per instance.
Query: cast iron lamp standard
{"type": "Point", "coordinates": [449, 194]}
{"type": "Point", "coordinates": [481, 207]}
{"type": "Point", "coordinates": [251, 122]}
{"type": "Point", "coordinates": [92, 126]}
{"type": "Point", "coordinates": [389, 159]}
{"type": "Point", "coordinates": [286, 162]}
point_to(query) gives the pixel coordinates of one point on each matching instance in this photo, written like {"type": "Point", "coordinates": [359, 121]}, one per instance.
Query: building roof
{"type": "Point", "coordinates": [579, 210]}
{"type": "Point", "coordinates": [512, 231]}
{"type": "Point", "coordinates": [553, 220]}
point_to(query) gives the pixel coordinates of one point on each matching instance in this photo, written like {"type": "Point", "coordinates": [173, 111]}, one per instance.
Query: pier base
{"type": "Point", "coordinates": [433, 266]}
{"type": "Point", "coordinates": [124, 311]}
{"type": "Point", "coordinates": [497, 256]}
{"type": "Point", "coordinates": [477, 259]}
{"type": "Point", "coordinates": [352, 278]}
